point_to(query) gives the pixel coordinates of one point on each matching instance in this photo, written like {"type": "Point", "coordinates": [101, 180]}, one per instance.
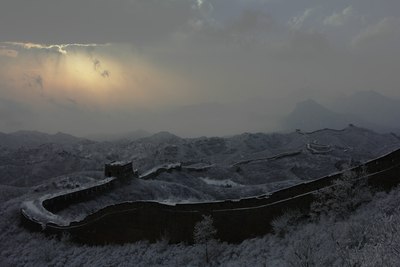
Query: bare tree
{"type": "Point", "coordinates": [204, 232]}
{"type": "Point", "coordinates": [343, 197]}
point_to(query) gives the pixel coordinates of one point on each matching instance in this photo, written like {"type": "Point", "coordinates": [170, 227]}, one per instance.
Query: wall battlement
{"type": "Point", "coordinates": [120, 170]}
{"type": "Point", "coordinates": [235, 220]}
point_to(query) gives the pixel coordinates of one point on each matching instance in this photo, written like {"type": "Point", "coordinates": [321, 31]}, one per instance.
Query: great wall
{"type": "Point", "coordinates": [235, 220]}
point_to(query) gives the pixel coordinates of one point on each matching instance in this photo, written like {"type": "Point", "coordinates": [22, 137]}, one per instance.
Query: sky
{"type": "Point", "coordinates": [192, 67]}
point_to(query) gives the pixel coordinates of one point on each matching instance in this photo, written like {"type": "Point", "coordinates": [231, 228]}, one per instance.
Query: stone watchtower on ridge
{"type": "Point", "coordinates": [122, 170]}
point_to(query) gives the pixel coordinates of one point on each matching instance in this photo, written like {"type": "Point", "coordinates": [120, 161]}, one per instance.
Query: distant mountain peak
{"type": "Point", "coordinates": [309, 115]}
{"type": "Point", "coordinates": [310, 105]}
{"type": "Point", "coordinates": [63, 134]}
{"type": "Point", "coordinates": [308, 101]}
{"type": "Point", "coordinates": [163, 137]}
{"type": "Point", "coordinates": [27, 132]}
{"type": "Point", "coordinates": [35, 138]}
{"type": "Point", "coordinates": [164, 134]}
{"type": "Point", "coordinates": [121, 136]}
{"type": "Point", "coordinates": [376, 110]}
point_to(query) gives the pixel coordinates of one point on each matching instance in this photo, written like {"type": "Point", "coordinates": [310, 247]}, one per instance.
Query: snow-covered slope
{"type": "Point", "coordinates": [27, 166]}
{"type": "Point", "coordinates": [240, 166]}
{"type": "Point", "coordinates": [28, 173]}
{"type": "Point", "coordinates": [368, 237]}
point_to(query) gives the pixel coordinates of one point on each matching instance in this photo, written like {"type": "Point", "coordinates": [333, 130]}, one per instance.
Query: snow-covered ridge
{"type": "Point", "coordinates": [35, 209]}
{"type": "Point", "coordinates": [350, 127]}
{"type": "Point", "coordinates": [118, 163]}
{"type": "Point", "coordinates": [29, 166]}
{"type": "Point", "coordinates": [224, 183]}
{"type": "Point", "coordinates": [316, 148]}
{"type": "Point", "coordinates": [198, 167]}
{"type": "Point", "coordinates": [275, 157]}
{"type": "Point", "coordinates": [159, 169]}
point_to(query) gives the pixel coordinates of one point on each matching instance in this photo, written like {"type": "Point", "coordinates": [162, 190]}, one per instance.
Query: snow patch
{"type": "Point", "coordinates": [222, 183]}
{"type": "Point", "coordinates": [160, 168]}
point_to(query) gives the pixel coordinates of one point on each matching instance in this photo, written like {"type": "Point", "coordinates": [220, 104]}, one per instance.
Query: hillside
{"type": "Point", "coordinates": [239, 166]}
{"type": "Point", "coordinates": [27, 166]}
{"type": "Point", "coordinates": [368, 236]}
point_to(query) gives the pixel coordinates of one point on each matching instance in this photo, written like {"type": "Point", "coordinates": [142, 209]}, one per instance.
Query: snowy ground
{"type": "Point", "coordinates": [28, 173]}
{"type": "Point", "coordinates": [368, 237]}
{"type": "Point", "coordinates": [29, 166]}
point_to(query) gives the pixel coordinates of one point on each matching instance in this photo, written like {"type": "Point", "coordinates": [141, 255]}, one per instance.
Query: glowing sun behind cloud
{"type": "Point", "coordinates": [93, 76]}
{"type": "Point", "coordinates": [79, 75]}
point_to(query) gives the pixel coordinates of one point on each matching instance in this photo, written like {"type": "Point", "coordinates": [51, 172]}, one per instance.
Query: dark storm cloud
{"type": "Point", "coordinates": [105, 74]}
{"type": "Point", "coordinates": [99, 69]}
{"type": "Point", "coordinates": [96, 64]}
{"type": "Point", "coordinates": [39, 81]}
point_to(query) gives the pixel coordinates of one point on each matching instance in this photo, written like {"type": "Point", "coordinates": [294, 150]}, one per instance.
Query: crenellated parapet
{"type": "Point", "coordinates": [120, 170]}
{"type": "Point", "coordinates": [235, 219]}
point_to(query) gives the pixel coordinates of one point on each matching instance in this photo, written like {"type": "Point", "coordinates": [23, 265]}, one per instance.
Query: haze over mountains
{"type": "Point", "coordinates": [371, 106]}
{"type": "Point", "coordinates": [34, 138]}
{"type": "Point", "coordinates": [367, 109]}
{"type": "Point", "coordinates": [118, 136]}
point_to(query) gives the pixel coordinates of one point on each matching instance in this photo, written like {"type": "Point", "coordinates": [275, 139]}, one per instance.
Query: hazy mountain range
{"type": "Point", "coordinates": [119, 136]}
{"type": "Point", "coordinates": [34, 138]}
{"type": "Point", "coordinates": [367, 109]}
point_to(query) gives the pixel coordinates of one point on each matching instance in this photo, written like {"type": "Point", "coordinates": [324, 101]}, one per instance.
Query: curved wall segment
{"type": "Point", "coordinates": [235, 220]}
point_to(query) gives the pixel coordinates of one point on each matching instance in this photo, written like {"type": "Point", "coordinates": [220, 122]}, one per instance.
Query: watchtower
{"type": "Point", "coordinates": [120, 169]}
